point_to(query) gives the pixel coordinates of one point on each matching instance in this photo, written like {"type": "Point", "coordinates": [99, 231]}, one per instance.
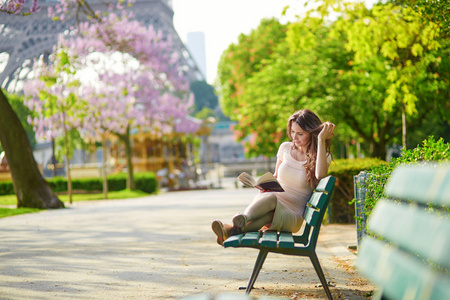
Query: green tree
{"type": "Point", "coordinates": [204, 95]}
{"type": "Point", "coordinates": [241, 60]}
{"type": "Point", "coordinates": [437, 11]}
{"type": "Point", "coordinates": [401, 36]}
{"type": "Point", "coordinates": [315, 73]}
{"type": "Point", "coordinates": [318, 65]}
{"type": "Point", "coordinates": [389, 71]}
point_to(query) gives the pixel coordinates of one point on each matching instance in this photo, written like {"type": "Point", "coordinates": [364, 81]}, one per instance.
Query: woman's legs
{"type": "Point", "coordinates": [260, 211]}
{"type": "Point", "coordinates": [258, 214]}
{"type": "Point", "coordinates": [260, 206]}
{"type": "Point", "coordinates": [259, 223]}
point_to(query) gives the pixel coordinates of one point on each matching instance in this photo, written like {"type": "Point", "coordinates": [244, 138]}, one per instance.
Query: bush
{"type": "Point", "coordinates": [58, 184]}
{"type": "Point", "coordinates": [118, 182]}
{"type": "Point", "coordinates": [145, 182]}
{"type": "Point", "coordinates": [6, 188]}
{"type": "Point", "coordinates": [430, 150]}
{"type": "Point", "coordinates": [340, 210]}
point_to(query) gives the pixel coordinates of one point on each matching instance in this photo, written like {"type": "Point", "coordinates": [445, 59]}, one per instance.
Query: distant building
{"type": "Point", "coordinates": [223, 147]}
{"type": "Point", "coordinates": [196, 46]}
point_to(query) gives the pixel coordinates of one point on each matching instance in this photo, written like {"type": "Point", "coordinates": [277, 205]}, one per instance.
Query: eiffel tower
{"type": "Point", "coordinates": [22, 39]}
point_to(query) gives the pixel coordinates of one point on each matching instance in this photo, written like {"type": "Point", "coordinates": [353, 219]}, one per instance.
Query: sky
{"type": "Point", "coordinates": [223, 21]}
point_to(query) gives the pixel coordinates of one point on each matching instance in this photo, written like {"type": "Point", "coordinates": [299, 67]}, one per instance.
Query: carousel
{"type": "Point", "coordinates": [173, 155]}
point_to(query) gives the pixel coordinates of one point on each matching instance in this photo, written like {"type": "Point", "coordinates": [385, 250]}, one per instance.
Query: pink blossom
{"type": "Point", "coordinates": [16, 7]}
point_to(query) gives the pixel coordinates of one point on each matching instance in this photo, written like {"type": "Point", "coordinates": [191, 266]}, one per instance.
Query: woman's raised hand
{"type": "Point", "coordinates": [327, 131]}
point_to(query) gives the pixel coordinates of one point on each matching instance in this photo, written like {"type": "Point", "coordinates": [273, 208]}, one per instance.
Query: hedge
{"type": "Point", "coordinates": [430, 151]}
{"type": "Point", "coordinates": [145, 181]}
{"type": "Point", "coordinates": [341, 210]}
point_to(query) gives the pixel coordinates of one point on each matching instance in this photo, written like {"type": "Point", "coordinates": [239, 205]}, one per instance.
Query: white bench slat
{"type": "Point", "coordinates": [402, 276]}
{"type": "Point", "coordinates": [424, 184]}
{"type": "Point", "coordinates": [414, 229]}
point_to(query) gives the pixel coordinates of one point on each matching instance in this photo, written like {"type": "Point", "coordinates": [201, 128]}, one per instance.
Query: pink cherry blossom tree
{"type": "Point", "coordinates": [58, 109]}
{"type": "Point", "coordinates": [30, 187]}
{"type": "Point", "coordinates": [17, 7]}
{"type": "Point", "coordinates": [152, 94]}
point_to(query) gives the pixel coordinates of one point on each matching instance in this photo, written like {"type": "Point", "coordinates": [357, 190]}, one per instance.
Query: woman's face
{"type": "Point", "coordinates": [300, 137]}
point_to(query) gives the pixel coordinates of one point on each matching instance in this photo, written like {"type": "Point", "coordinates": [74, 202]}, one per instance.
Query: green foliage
{"type": "Point", "coordinates": [366, 72]}
{"type": "Point", "coordinates": [145, 182]}
{"type": "Point", "coordinates": [435, 11]}
{"type": "Point", "coordinates": [6, 188]}
{"type": "Point", "coordinates": [431, 150]}
{"type": "Point", "coordinates": [205, 113]}
{"type": "Point", "coordinates": [353, 166]}
{"type": "Point", "coordinates": [344, 170]}
{"type": "Point", "coordinates": [74, 142]}
{"type": "Point", "coordinates": [241, 60]}
{"type": "Point", "coordinates": [407, 47]}
{"type": "Point", "coordinates": [204, 95]}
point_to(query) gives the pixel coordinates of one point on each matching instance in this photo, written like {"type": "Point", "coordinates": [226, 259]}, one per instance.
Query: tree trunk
{"type": "Point", "coordinates": [104, 170]}
{"type": "Point", "coordinates": [403, 127]}
{"type": "Point", "coordinates": [129, 154]}
{"type": "Point", "coordinates": [379, 150]}
{"type": "Point", "coordinates": [69, 178]}
{"type": "Point", "coordinates": [30, 187]}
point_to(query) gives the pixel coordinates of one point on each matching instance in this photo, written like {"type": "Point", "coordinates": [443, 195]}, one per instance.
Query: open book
{"type": "Point", "coordinates": [267, 182]}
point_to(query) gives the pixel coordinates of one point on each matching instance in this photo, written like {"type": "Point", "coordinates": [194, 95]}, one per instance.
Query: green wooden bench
{"type": "Point", "coordinates": [286, 242]}
{"type": "Point", "coordinates": [410, 259]}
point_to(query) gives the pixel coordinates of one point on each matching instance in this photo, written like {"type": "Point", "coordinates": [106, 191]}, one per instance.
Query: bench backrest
{"type": "Point", "coordinates": [412, 258]}
{"type": "Point", "coordinates": [315, 211]}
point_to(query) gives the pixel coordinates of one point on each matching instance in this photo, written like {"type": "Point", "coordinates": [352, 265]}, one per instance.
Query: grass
{"type": "Point", "coordinates": [12, 200]}
{"type": "Point", "coordinates": [123, 194]}
{"type": "Point", "coordinates": [8, 212]}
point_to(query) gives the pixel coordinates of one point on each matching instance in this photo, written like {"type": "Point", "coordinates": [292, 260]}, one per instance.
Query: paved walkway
{"type": "Point", "coordinates": [157, 247]}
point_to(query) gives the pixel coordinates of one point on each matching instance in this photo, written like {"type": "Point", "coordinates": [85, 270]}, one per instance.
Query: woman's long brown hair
{"type": "Point", "coordinates": [310, 123]}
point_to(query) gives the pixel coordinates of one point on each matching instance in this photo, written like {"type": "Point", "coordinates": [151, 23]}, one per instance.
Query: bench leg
{"type": "Point", "coordinates": [258, 265]}
{"type": "Point", "coordinates": [318, 268]}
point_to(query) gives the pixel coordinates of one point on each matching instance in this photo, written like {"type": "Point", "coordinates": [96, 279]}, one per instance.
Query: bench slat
{"type": "Point", "coordinates": [423, 184]}
{"type": "Point", "coordinates": [311, 216]}
{"type": "Point", "coordinates": [269, 239]}
{"type": "Point", "coordinates": [286, 240]}
{"type": "Point", "coordinates": [251, 238]}
{"type": "Point", "coordinates": [413, 229]}
{"type": "Point", "coordinates": [326, 184]}
{"type": "Point", "coordinates": [318, 199]}
{"type": "Point", "coordinates": [233, 241]}
{"type": "Point", "coordinates": [401, 275]}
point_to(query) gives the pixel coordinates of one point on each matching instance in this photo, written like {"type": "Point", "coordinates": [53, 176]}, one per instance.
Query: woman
{"type": "Point", "coordinates": [300, 165]}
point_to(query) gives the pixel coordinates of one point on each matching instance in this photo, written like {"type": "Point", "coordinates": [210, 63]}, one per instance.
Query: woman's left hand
{"type": "Point", "coordinates": [327, 131]}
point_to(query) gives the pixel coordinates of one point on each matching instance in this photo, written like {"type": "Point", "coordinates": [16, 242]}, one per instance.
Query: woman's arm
{"type": "Point", "coordinates": [280, 156]}
{"type": "Point", "coordinates": [279, 161]}
{"type": "Point", "coordinates": [326, 133]}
